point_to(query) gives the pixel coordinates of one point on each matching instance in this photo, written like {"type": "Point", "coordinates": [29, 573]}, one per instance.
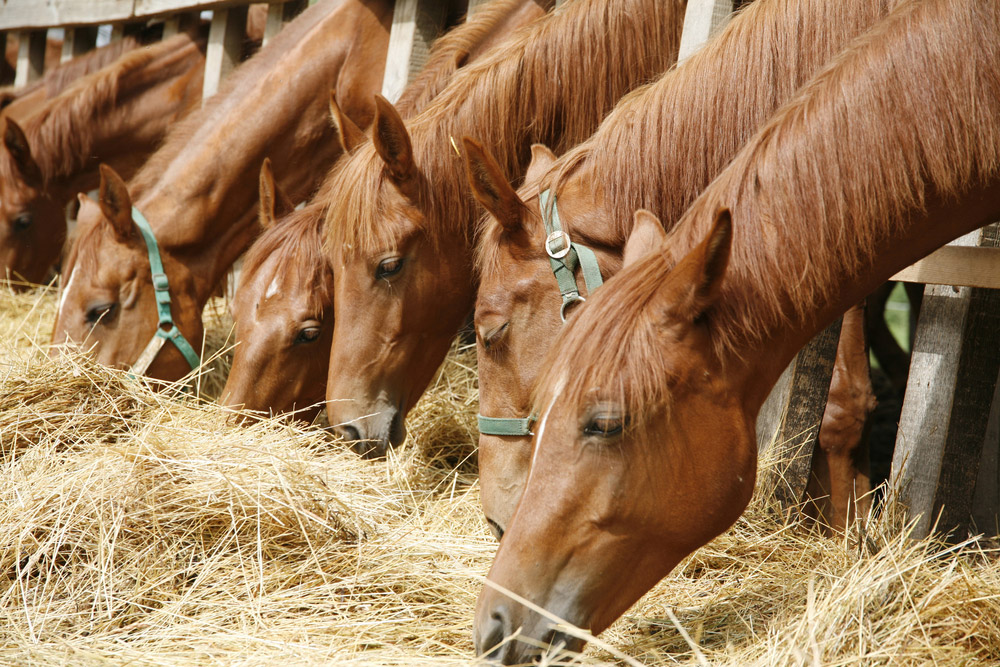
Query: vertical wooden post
{"type": "Point", "coordinates": [953, 375]}
{"type": "Point", "coordinates": [225, 43]}
{"type": "Point", "coordinates": [78, 41]}
{"type": "Point", "coordinates": [30, 57]}
{"type": "Point", "coordinates": [702, 19]}
{"type": "Point", "coordinates": [278, 14]}
{"type": "Point", "coordinates": [801, 411]}
{"type": "Point", "coordinates": [986, 502]}
{"type": "Point", "coordinates": [415, 24]}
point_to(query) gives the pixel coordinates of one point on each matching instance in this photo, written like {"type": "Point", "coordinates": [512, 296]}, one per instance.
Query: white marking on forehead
{"type": "Point", "coordinates": [545, 417]}
{"type": "Point", "coordinates": [272, 289]}
{"type": "Point", "coordinates": [69, 283]}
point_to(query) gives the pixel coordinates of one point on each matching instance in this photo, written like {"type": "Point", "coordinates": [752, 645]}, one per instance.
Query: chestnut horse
{"type": "Point", "coordinates": [283, 307]}
{"type": "Point", "coordinates": [703, 113]}
{"type": "Point", "coordinates": [118, 116]}
{"type": "Point", "coordinates": [645, 449]}
{"type": "Point", "coordinates": [199, 191]}
{"type": "Point", "coordinates": [401, 221]}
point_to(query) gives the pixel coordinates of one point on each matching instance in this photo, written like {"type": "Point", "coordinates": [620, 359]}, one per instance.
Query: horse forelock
{"type": "Point", "coordinates": [841, 166]}
{"type": "Point", "coordinates": [295, 244]}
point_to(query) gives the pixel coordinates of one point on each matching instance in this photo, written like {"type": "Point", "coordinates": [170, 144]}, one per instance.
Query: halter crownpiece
{"type": "Point", "coordinates": [166, 330]}
{"type": "Point", "coordinates": [565, 257]}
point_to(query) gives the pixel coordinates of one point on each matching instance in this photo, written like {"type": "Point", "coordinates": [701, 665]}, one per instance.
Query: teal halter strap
{"type": "Point", "coordinates": [166, 329]}
{"type": "Point", "coordinates": [565, 257]}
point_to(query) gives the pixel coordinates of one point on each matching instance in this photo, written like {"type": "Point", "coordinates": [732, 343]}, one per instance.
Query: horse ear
{"type": "Point", "coordinates": [17, 143]}
{"type": "Point", "coordinates": [274, 203]}
{"type": "Point", "coordinates": [392, 142]}
{"type": "Point", "coordinates": [541, 160]}
{"type": "Point", "coordinates": [115, 203]}
{"type": "Point", "coordinates": [647, 235]}
{"type": "Point", "coordinates": [348, 133]}
{"type": "Point", "coordinates": [490, 187]}
{"type": "Point", "coordinates": [708, 263]}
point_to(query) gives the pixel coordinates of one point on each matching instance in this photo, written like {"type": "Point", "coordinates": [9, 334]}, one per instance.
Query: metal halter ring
{"type": "Point", "coordinates": [555, 236]}
{"type": "Point", "coordinates": [569, 300]}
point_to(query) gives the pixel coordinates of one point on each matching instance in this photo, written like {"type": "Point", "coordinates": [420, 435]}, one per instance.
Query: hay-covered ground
{"type": "Point", "coordinates": [146, 529]}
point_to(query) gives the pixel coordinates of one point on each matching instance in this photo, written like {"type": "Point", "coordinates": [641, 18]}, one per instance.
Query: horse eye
{"type": "Point", "coordinates": [387, 268]}
{"type": "Point", "coordinates": [307, 335]}
{"type": "Point", "coordinates": [605, 426]}
{"type": "Point", "coordinates": [103, 313]}
{"type": "Point", "coordinates": [493, 337]}
{"type": "Point", "coordinates": [23, 221]}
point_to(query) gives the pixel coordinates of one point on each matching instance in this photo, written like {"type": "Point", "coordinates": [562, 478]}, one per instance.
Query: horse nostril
{"type": "Point", "coordinates": [347, 432]}
{"type": "Point", "coordinates": [488, 642]}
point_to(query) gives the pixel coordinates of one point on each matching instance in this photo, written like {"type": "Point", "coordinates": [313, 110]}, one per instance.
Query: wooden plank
{"type": "Point", "coordinates": [280, 13]}
{"type": "Point", "coordinates": [30, 57]}
{"type": "Point", "coordinates": [964, 266]}
{"type": "Point", "coordinates": [986, 501]}
{"type": "Point", "coordinates": [702, 19]}
{"type": "Point", "coordinates": [22, 14]}
{"type": "Point", "coordinates": [415, 24]}
{"type": "Point", "coordinates": [225, 44]}
{"type": "Point", "coordinates": [171, 26]}
{"type": "Point", "coordinates": [953, 375]}
{"type": "Point", "coordinates": [796, 437]}
{"type": "Point", "coordinates": [78, 41]}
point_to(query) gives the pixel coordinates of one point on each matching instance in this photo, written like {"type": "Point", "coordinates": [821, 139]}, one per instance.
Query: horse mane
{"type": "Point", "coordinates": [61, 132]}
{"type": "Point", "coordinates": [243, 81]}
{"type": "Point", "coordinates": [507, 100]}
{"type": "Point", "coordinates": [835, 172]}
{"type": "Point", "coordinates": [663, 143]}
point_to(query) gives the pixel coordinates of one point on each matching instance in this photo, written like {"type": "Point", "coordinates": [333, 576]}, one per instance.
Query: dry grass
{"type": "Point", "coordinates": [143, 528]}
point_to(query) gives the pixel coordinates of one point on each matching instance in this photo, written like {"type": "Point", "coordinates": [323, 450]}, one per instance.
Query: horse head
{"type": "Point", "coordinates": [32, 223]}
{"type": "Point", "coordinates": [642, 455]}
{"type": "Point", "coordinates": [108, 302]}
{"type": "Point", "coordinates": [397, 303]}
{"type": "Point", "coordinates": [283, 312]}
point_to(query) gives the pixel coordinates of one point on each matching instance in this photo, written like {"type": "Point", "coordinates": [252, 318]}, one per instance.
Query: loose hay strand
{"type": "Point", "coordinates": [138, 526]}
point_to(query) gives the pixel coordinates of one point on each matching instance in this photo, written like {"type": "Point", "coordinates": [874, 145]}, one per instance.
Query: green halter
{"type": "Point", "coordinates": [565, 257]}
{"type": "Point", "coordinates": [166, 329]}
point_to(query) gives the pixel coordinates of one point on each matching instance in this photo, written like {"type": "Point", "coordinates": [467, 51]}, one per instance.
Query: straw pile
{"type": "Point", "coordinates": [140, 527]}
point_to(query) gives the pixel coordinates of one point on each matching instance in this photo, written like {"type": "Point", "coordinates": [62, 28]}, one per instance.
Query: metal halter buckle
{"type": "Point", "coordinates": [556, 236]}
{"type": "Point", "coordinates": [570, 300]}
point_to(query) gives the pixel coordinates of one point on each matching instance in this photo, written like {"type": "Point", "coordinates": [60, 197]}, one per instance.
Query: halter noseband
{"type": "Point", "coordinates": [166, 330]}
{"type": "Point", "coordinates": [565, 257]}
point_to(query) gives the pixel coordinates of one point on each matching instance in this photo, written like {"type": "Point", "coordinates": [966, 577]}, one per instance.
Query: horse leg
{"type": "Point", "coordinates": [839, 481]}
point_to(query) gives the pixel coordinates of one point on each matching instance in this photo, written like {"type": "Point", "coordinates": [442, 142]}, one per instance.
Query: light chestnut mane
{"type": "Point", "coordinates": [854, 155]}
{"type": "Point", "coordinates": [543, 84]}
{"type": "Point", "coordinates": [61, 133]}
{"type": "Point", "coordinates": [665, 142]}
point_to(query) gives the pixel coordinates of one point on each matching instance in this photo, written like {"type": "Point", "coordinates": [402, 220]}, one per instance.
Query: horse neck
{"type": "Point", "coordinates": [120, 125]}
{"type": "Point", "coordinates": [203, 206]}
{"type": "Point", "coordinates": [700, 114]}
{"type": "Point", "coordinates": [845, 186]}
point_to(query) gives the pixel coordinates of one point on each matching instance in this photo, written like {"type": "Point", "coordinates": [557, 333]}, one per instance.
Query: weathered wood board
{"type": "Point", "coordinates": [953, 375]}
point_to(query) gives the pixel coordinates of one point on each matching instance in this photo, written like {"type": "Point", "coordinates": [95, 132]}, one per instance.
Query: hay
{"type": "Point", "coordinates": [142, 527]}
